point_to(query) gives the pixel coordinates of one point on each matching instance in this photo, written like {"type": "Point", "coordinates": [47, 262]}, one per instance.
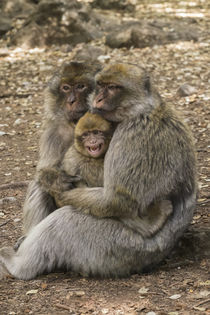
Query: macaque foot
{"type": "Point", "coordinates": [19, 242]}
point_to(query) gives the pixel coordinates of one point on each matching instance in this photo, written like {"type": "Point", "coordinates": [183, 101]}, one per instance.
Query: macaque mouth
{"type": "Point", "coordinates": [96, 149]}
{"type": "Point", "coordinates": [99, 111]}
{"type": "Point", "coordinates": [76, 115]}
{"type": "Point", "coordinates": [82, 111]}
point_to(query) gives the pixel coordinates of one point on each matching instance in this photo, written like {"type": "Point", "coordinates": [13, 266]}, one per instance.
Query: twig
{"type": "Point", "coordinates": [65, 307]}
{"type": "Point", "coordinates": [203, 302]}
{"type": "Point", "coordinates": [4, 223]}
{"type": "Point", "coordinates": [176, 265]}
{"type": "Point", "coordinates": [15, 95]}
{"type": "Point", "coordinates": [14, 185]}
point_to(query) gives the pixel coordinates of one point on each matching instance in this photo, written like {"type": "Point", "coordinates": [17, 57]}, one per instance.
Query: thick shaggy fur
{"type": "Point", "coordinates": [150, 158]}
{"type": "Point", "coordinates": [58, 134]}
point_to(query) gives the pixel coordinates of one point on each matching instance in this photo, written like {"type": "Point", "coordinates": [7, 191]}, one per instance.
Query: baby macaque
{"type": "Point", "coordinates": [83, 163]}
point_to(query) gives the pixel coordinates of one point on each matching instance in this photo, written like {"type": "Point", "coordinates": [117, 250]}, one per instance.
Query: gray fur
{"type": "Point", "coordinates": [150, 158]}
{"type": "Point", "coordinates": [57, 136]}
{"type": "Point", "coordinates": [93, 247]}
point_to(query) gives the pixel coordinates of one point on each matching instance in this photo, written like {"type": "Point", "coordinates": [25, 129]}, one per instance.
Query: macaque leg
{"type": "Point", "coordinates": [38, 205]}
{"type": "Point", "coordinates": [153, 220]}
{"type": "Point", "coordinates": [91, 246]}
{"type": "Point", "coordinates": [75, 241]}
{"type": "Point", "coordinates": [44, 248]}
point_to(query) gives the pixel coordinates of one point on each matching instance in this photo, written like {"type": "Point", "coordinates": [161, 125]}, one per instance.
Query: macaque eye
{"type": "Point", "coordinates": [97, 132]}
{"type": "Point", "coordinates": [100, 85]}
{"type": "Point", "coordinates": [113, 87]}
{"type": "Point", "coordinates": [65, 88]}
{"type": "Point", "coordinates": [80, 86]}
{"type": "Point", "coordinates": [85, 134]}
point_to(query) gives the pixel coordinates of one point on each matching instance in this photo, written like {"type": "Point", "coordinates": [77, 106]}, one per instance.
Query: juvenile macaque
{"type": "Point", "coordinates": [83, 163]}
{"type": "Point", "coordinates": [150, 159]}
{"type": "Point", "coordinates": [65, 102]}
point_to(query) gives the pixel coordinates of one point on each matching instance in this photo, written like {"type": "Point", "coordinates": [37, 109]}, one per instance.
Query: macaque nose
{"type": "Point", "coordinates": [71, 99]}
{"type": "Point", "coordinates": [98, 101]}
{"type": "Point", "coordinates": [93, 141]}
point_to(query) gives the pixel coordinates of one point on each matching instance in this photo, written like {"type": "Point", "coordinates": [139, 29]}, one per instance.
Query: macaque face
{"type": "Point", "coordinates": [94, 143]}
{"type": "Point", "coordinates": [107, 97]}
{"type": "Point", "coordinates": [74, 99]}
{"type": "Point", "coordinates": [119, 90]}
{"type": "Point", "coordinates": [71, 86]}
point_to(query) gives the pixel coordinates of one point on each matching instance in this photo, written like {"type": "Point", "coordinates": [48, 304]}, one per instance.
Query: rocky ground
{"type": "Point", "coordinates": [180, 285]}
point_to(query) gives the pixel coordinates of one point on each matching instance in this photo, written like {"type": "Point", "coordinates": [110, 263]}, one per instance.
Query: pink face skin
{"type": "Point", "coordinates": [94, 143]}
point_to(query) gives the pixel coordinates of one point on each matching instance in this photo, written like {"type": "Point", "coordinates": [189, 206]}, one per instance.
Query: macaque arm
{"type": "Point", "coordinates": [96, 202]}
{"type": "Point", "coordinates": [83, 199]}
{"type": "Point", "coordinates": [55, 141]}
{"type": "Point", "coordinates": [55, 180]}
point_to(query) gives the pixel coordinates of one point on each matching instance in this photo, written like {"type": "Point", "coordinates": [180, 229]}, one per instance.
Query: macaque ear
{"type": "Point", "coordinates": [54, 82]}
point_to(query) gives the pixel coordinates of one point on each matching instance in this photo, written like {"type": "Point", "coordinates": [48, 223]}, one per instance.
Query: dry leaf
{"type": "Point", "coordinates": [31, 292]}
{"type": "Point", "coordinates": [175, 296]}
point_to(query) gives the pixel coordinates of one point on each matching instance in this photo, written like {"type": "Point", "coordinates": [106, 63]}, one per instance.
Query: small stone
{"type": "Point", "coordinates": [18, 122]}
{"type": "Point", "coordinates": [4, 125]}
{"type": "Point", "coordinates": [143, 290]}
{"type": "Point", "coordinates": [104, 58]}
{"type": "Point", "coordinates": [17, 220]}
{"type": "Point", "coordinates": [79, 293]}
{"type": "Point", "coordinates": [175, 296]}
{"type": "Point", "coordinates": [186, 90]}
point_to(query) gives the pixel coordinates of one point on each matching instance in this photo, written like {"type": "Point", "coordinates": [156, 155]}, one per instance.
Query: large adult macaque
{"type": "Point", "coordinates": [150, 158]}
{"type": "Point", "coordinates": [65, 102]}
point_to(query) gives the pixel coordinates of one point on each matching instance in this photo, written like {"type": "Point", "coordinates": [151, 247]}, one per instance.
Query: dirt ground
{"type": "Point", "coordinates": [181, 284]}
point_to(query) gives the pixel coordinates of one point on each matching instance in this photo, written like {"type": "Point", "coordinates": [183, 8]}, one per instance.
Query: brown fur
{"type": "Point", "coordinates": [150, 160]}
{"type": "Point", "coordinates": [58, 134]}
{"type": "Point", "coordinates": [151, 156]}
{"type": "Point", "coordinates": [77, 166]}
